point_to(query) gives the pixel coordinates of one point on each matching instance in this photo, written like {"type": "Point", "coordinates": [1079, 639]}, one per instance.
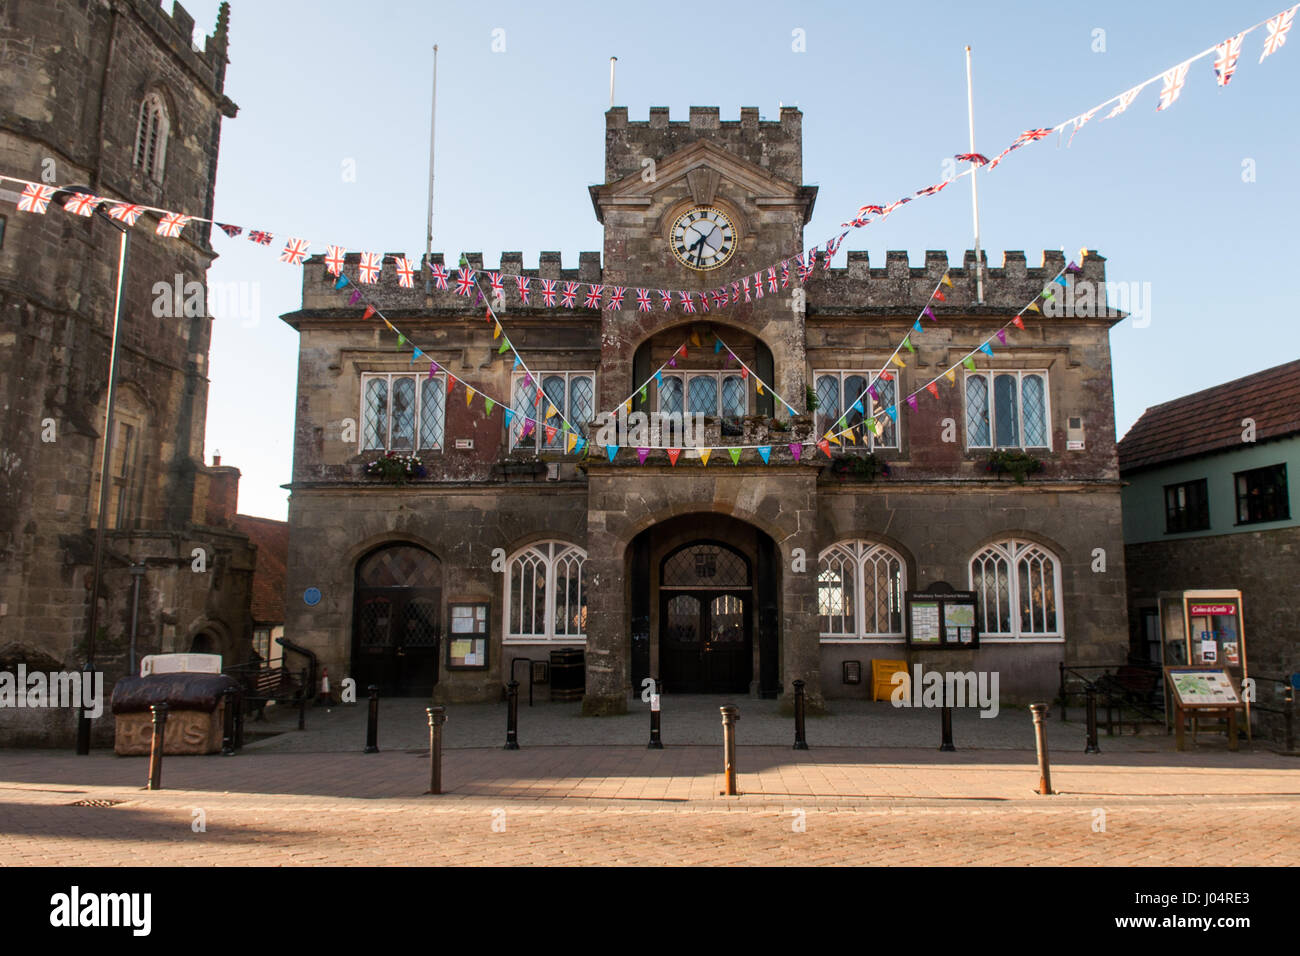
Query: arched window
{"type": "Point", "coordinates": [151, 137]}
{"type": "Point", "coordinates": [546, 594]}
{"type": "Point", "coordinates": [1018, 584]}
{"type": "Point", "coordinates": [860, 592]}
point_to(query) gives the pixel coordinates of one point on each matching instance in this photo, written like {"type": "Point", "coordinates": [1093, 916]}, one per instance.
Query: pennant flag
{"type": "Point", "coordinates": [744, 371]}
{"type": "Point", "coordinates": [796, 450]}
{"type": "Point", "coordinates": [899, 362]}
{"type": "Point", "coordinates": [874, 394]}
{"type": "Point", "coordinates": [548, 292]}
{"type": "Point", "coordinates": [616, 298]}
{"type": "Point", "coordinates": [496, 331]}
{"type": "Point", "coordinates": [765, 452]}
{"type": "Point", "coordinates": [569, 295]}
{"type": "Point", "coordinates": [1048, 293]}
{"type": "Point", "coordinates": [551, 411]}
{"type": "Point", "coordinates": [1060, 280]}
{"type": "Point", "coordinates": [857, 407]}
{"type": "Point", "coordinates": [986, 349]}
{"type": "Point", "coordinates": [234, 232]}
{"type": "Point", "coordinates": [594, 292]}
{"type": "Point", "coordinates": [505, 345]}
{"type": "Point", "coordinates": [170, 226]}
{"type": "Point", "coordinates": [643, 300]}
{"type": "Point", "coordinates": [717, 346]}
{"type": "Point", "coordinates": [370, 310]}
{"type": "Point", "coordinates": [528, 427]}
{"type": "Point", "coordinates": [451, 382]}
{"type": "Point", "coordinates": [758, 384]}
{"type": "Point", "coordinates": [873, 426]}
{"type": "Point", "coordinates": [946, 281]}
{"type": "Point", "coordinates": [260, 237]}
{"type": "Point", "coordinates": [1125, 101]}
{"type": "Point", "coordinates": [892, 412]}
{"type": "Point", "coordinates": [673, 455]}
{"type": "Point", "coordinates": [82, 204]}
{"type": "Point", "coordinates": [735, 455]}
{"type": "Point", "coordinates": [341, 282]}
{"type": "Point", "coordinates": [516, 365]}
{"type": "Point", "coordinates": [372, 263]}
{"type": "Point", "coordinates": [1226, 56]}
{"type": "Point", "coordinates": [439, 275]}
{"type": "Point", "coordinates": [833, 439]}
{"type": "Point", "coordinates": [1019, 322]}
{"type": "Point", "coordinates": [850, 435]}
{"type": "Point", "coordinates": [907, 344]}
{"type": "Point", "coordinates": [916, 326]}
{"type": "Point", "coordinates": [886, 376]}
{"type": "Point", "coordinates": [415, 355]}
{"type": "Point", "coordinates": [1002, 336]}
{"type": "Point", "coordinates": [666, 297]}
{"type": "Point", "coordinates": [704, 455]}
{"type": "Point", "coordinates": [969, 363]}
{"type": "Point", "coordinates": [1278, 27]}
{"type": "Point", "coordinates": [641, 454]}
{"type": "Point", "coordinates": [911, 402]}
{"type": "Point", "coordinates": [334, 256]}
{"type": "Point", "coordinates": [550, 433]}
{"type": "Point", "coordinates": [825, 446]}
{"type": "Point", "coordinates": [572, 441]}
{"type": "Point", "coordinates": [951, 376]}
{"type": "Point", "coordinates": [509, 413]}
{"type": "Point", "coordinates": [644, 397]}
{"type": "Point", "coordinates": [1034, 307]}
{"type": "Point", "coordinates": [582, 443]}
{"type": "Point", "coordinates": [940, 296]}
{"type": "Point", "coordinates": [627, 406]}
{"type": "Point", "coordinates": [469, 396]}
{"type": "Point", "coordinates": [433, 367]}
{"type": "Point", "coordinates": [659, 378]}
{"type": "Point", "coordinates": [611, 450]}
{"type": "Point", "coordinates": [405, 272]}
{"type": "Point", "coordinates": [294, 252]}
{"type": "Point", "coordinates": [401, 340]}
{"type": "Point", "coordinates": [488, 405]}
{"type": "Point", "coordinates": [464, 279]}
{"type": "Point", "coordinates": [933, 389]}
{"type": "Point", "coordinates": [1173, 85]}
{"type": "Point", "coordinates": [695, 339]}
{"type": "Point", "coordinates": [930, 312]}
{"type": "Point", "coordinates": [355, 297]}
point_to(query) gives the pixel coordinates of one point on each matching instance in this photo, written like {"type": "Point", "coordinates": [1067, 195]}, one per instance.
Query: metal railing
{"type": "Point", "coordinates": [1116, 692]}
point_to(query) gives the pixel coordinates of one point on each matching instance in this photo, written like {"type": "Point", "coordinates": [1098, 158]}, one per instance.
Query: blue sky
{"type": "Point", "coordinates": [520, 136]}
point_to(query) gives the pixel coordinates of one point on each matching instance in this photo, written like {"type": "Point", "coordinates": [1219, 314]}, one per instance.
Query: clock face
{"type": "Point", "coordinates": [703, 238]}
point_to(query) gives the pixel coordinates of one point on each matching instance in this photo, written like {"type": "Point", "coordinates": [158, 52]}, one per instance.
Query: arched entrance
{"type": "Point", "coordinates": [397, 623]}
{"type": "Point", "coordinates": [705, 620]}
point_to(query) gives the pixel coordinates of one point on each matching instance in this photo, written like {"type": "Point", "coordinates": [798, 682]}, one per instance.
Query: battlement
{"type": "Point", "coordinates": [705, 117]}
{"type": "Point", "coordinates": [858, 286]}
{"type": "Point", "coordinates": [176, 30]}
{"type": "Point", "coordinates": [776, 145]}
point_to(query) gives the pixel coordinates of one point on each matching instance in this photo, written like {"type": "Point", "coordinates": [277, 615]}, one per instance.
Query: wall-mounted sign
{"type": "Point", "coordinates": [464, 444]}
{"type": "Point", "coordinates": [942, 617]}
{"type": "Point", "coordinates": [467, 648]}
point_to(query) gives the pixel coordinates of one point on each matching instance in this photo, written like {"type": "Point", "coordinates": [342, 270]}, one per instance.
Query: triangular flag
{"type": "Point", "coordinates": [641, 454]}
{"type": "Point", "coordinates": [735, 455]}
{"type": "Point", "coordinates": [940, 296]}
{"type": "Point", "coordinates": [505, 344]}
{"type": "Point", "coordinates": [969, 363]}
{"type": "Point", "coordinates": [744, 372]}
{"type": "Point", "coordinates": [892, 412]}
{"type": "Point", "coordinates": [510, 415]}
{"type": "Point", "coordinates": [1048, 293]}
{"type": "Point", "coordinates": [946, 281]}
{"type": "Point", "coordinates": [1034, 306]}
{"type": "Point", "coordinates": [930, 312]}
{"type": "Point", "coordinates": [704, 455]}
{"type": "Point", "coordinates": [451, 382]}
{"type": "Point", "coordinates": [796, 450]}
{"type": "Point", "coordinates": [850, 435]}
{"type": "Point", "coordinates": [488, 405]}
{"type": "Point", "coordinates": [401, 340]}
{"type": "Point", "coordinates": [951, 375]}
{"type": "Point", "coordinates": [765, 452]}
{"type": "Point", "coordinates": [659, 379]}
{"type": "Point", "coordinates": [342, 281]}
{"type": "Point", "coordinates": [933, 389]}
{"type": "Point", "coordinates": [916, 326]}
{"type": "Point", "coordinates": [644, 397]}
{"type": "Point", "coordinates": [572, 441]}
{"type": "Point", "coordinates": [551, 411]}
{"type": "Point", "coordinates": [759, 385]}
{"type": "Point", "coordinates": [627, 406]}
{"type": "Point", "coordinates": [834, 439]}
{"type": "Point", "coordinates": [911, 402]}
{"type": "Point", "coordinates": [1060, 280]}
{"type": "Point", "coordinates": [858, 407]}
{"type": "Point", "coordinates": [695, 339]}
{"type": "Point", "coordinates": [370, 310]}
{"type": "Point", "coordinates": [717, 346]}
{"type": "Point", "coordinates": [986, 348]}
{"type": "Point", "coordinates": [496, 331]}
{"type": "Point", "coordinates": [582, 443]}
{"type": "Point", "coordinates": [899, 362]}
{"type": "Point", "coordinates": [415, 355]}
{"type": "Point", "coordinates": [1002, 336]}
{"type": "Point", "coordinates": [469, 396]}
{"type": "Point", "coordinates": [355, 297]}
{"type": "Point", "coordinates": [825, 446]}
{"type": "Point", "coordinates": [433, 367]}
{"type": "Point", "coordinates": [550, 433]}
{"type": "Point", "coordinates": [673, 454]}
{"type": "Point", "coordinates": [907, 344]}
{"type": "Point", "coordinates": [611, 450]}
{"type": "Point", "coordinates": [1019, 322]}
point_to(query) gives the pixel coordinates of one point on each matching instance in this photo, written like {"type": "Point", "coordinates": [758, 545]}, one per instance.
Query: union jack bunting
{"type": "Point", "coordinates": [234, 232]}
{"type": "Point", "coordinates": [334, 256]}
{"type": "Point", "coordinates": [975, 159]}
{"type": "Point", "coordinates": [1278, 27]}
{"type": "Point", "coordinates": [806, 266]}
{"type": "Point", "coordinates": [372, 263]}
{"type": "Point", "coordinates": [405, 272]}
{"type": "Point", "coordinates": [876, 210]}
{"type": "Point", "coordinates": [35, 198]}
{"type": "Point", "coordinates": [785, 273]}
{"type": "Point", "coordinates": [1079, 121]}
{"type": "Point", "coordinates": [594, 293]}
{"type": "Point", "coordinates": [704, 307]}
{"type": "Point", "coordinates": [744, 284]}
{"type": "Point", "coordinates": [548, 292]}
{"type": "Point", "coordinates": [771, 278]}
{"type": "Point", "coordinates": [495, 279]}
{"type": "Point", "coordinates": [735, 292]}
{"type": "Point", "coordinates": [1125, 101]}
{"type": "Point", "coordinates": [465, 282]}
{"type": "Point", "coordinates": [261, 238]}
{"type": "Point", "coordinates": [667, 298]}
{"type": "Point", "coordinates": [439, 275]}
{"type": "Point", "coordinates": [643, 300]}
{"type": "Point", "coordinates": [524, 285]}
{"type": "Point", "coordinates": [1030, 136]}
{"type": "Point", "coordinates": [616, 298]}
{"type": "Point", "coordinates": [170, 226]}
{"type": "Point", "coordinates": [295, 250]}
{"type": "Point", "coordinates": [1173, 85]}
{"type": "Point", "coordinates": [82, 204]}
{"type": "Point", "coordinates": [907, 199]}
{"type": "Point", "coordinates": [758, 285]}
{"type": "Point", "coordinates": [719, 298]}
{"type": "Point", "coordinates": [569, 295]}
{"type": "Point", "coordinates": [931, 190]}
{"type": "Point", "coordinates": [834, 244]}
{"type": "Point", "coordinates": [126, 213]}
{"type": "Point", "coordinates": [1225, 58]}
{"type": "Point", "coordinates": [687, 304]}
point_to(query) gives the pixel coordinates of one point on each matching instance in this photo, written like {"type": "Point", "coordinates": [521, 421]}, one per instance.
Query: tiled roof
{"type": "Point", "coordinates": [272, 540]}
{"type": "Point", "coordinates": [1210, 420]}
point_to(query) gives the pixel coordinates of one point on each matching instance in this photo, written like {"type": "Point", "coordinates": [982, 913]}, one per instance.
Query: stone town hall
{"type": "Point", "coordinates": [710, 577]}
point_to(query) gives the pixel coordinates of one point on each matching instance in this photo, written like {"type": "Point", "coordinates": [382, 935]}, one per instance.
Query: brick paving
{"type": "Point", "coordinates": [627, 805]}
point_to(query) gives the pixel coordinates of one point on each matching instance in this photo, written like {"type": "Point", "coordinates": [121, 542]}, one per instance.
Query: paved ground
{"type": "Point", "coordinates": [627, 805]}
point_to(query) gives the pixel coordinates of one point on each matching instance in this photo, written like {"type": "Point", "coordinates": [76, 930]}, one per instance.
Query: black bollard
{"type": "Point", "coordinates": [83, 722]}
{"type": "Point", "coordinates": [729, 717]}
{"type": "Point", "coordinates": [159, 712]}
{"type": "Point", "coordinates": [228, 722]}
{"type": "Point", "coordinates": [437, 717]}
{"type": "Point", "coordinates": [372, 722]}
{"type": "Point", "coordinates": [800, 740]}
{"type": "Point", "coordinates": [1040, 738]}
{"type": "Point", "coordinates": [302, 701]}
{"type": "Point", "coordinates": [945, 723]}
{"type": "Point", "coordinates": [656, 742]}
{"type": "Point", "coordinates": [1092, 747]}
{"type": "Point", "coordinates": [512, 715]}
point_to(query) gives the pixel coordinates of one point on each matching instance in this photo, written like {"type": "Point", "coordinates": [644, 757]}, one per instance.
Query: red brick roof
{"type": "Point", "coordinates": [272, 540]}
{"type": "Point", "coordinates": [1210, 420]}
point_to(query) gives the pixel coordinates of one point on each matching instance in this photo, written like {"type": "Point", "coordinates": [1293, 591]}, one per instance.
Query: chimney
{"type": "Point", "coordinates": [223, 494]}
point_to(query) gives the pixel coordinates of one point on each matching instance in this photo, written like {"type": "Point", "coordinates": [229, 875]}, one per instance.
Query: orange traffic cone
{"type": "Point", "coordinates": [324, 696]}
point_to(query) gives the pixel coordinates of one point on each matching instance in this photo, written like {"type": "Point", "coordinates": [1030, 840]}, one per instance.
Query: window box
{"type": "Point", "coordinates": [1017, 464]}
{"type": "Point", "coordinates": [866, 467]}
{"type": "Point", "coordinates": [395, 467]}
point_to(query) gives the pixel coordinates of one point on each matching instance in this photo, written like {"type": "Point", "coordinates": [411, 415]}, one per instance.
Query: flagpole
{"type": "Point", "coordinates": [428, 228]}
{"type": "Point", "coordinates": [612, 61]}
{"type": "Point", "coordinates": [974, 189]}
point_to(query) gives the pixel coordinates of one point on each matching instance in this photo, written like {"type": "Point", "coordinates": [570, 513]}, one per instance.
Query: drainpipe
{"type": "Point", "coordinates": [137, 576]}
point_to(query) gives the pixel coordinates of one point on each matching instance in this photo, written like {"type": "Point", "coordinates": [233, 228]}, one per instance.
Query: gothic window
{"type": "Point", "coordinates": [860, 592]}
{"type": "Point", "coordinates": [571, 394]}
{"type": "Point", "coordinates": [546, 595]}
{"type": "Point", "coordinates": [402, 412]}
{"type": "Point", "coordinates": [1007, 410]}
{"type": "Point", "coordinates": [151, 137]}
{"type": "Point", "coordinates": [852, 390]}
{"type": "Point", "coordinates": [1017, 584]}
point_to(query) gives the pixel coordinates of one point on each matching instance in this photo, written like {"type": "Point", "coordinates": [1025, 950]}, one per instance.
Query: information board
{"type": "Point", "coordinates": [467, 645]}
{"type": "Point", "coordinates": [942, 617]}
{"type": "Point", "coordinates": [1195, 687]}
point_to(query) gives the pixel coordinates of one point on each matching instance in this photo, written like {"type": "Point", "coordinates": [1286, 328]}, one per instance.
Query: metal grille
{"type": "Point", "coordinates": [977, 411]}
{"type": "Point", "coordinates": [421, 625]}
{"type": "Point", "coordinates": [582, 400]}
{"type": "Point", "coordinates": [432, 412]}
{"type": "Point", "coordinates": [376, 623]}
{"type": "Point", "coordinates": [403, 434]}
{"type": "Point", "coordinates": [734, 404]}
{"type": "Point", "coordinates": [401, 566]}
{"type": "Point", "coordinates": [375, 430]}
{"type": "Point", "coordinates": [706, 565]}
{"type": "Point", "coordinates": [1034, 406]}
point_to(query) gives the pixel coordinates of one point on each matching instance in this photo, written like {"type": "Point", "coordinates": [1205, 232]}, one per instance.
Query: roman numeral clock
{"type": "Point", "coordinates": [703, 238]}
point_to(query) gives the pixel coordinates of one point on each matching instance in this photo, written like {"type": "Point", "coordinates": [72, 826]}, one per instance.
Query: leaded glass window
{"type": "Point", "coordinates": [860, 592]}
{"type": "Point", "coordinates": [546, 595]}
{"type": "Point", "coordinates": [1017, 584]}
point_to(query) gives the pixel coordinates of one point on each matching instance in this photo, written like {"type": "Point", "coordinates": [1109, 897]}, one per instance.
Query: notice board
{"type": "Point", "coordinates": [942, 617]}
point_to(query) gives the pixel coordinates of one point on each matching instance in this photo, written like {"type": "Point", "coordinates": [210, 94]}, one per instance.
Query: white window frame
{"type": "Point", "coordinates": [536, 440]}
{"type": "Point", "coordinates": [152, 123]}
{"type": "Point", "coordinates": [685, 376]}
{"type": "Point", "coordinates": [441, 380]}
{"type": "Point", "coordinates": [864, 553]}
{"type": "Point", "coordinates": [868, 403]}
{"type": "Point", "coordinates": [549, 555]}
{"type": "Point", "coordinates": [1013, 551]}
{"type": "Point", "coordinates": [989, 375]}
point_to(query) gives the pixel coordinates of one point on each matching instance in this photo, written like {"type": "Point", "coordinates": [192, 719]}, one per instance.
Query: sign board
{"type": "Point", "coordinates": [1201, 687]}
{"type": "Point", "coordinates": [942, 617]}
{"type": "Point", "coordinates": [467, 647]}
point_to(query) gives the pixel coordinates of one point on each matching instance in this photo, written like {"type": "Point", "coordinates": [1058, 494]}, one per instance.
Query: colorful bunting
{"type": "Point", "coordinates": [35, 198]}
{"type": "Point", "coordinates": [673, 454]}
{"type": "Point", "coordinates": [735, 455]}
{"type": "Point", "coordinates": [765, 452]}
{"type": "Point", "coordinates": [704, 455]}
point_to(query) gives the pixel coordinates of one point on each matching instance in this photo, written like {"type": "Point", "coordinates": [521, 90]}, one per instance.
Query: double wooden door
{"type": "Point", "coordinates": [705, 642]}
{"type": "Point", "coordinates": [397, 641]}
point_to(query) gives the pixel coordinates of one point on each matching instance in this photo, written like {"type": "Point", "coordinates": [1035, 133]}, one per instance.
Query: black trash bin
{"type": "Point", "coordinates": [568, 674]}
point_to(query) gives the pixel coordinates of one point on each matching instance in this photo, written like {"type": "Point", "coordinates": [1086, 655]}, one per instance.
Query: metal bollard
{"type": "Point", "coordinates": [729, 717]}
{"type": "Point", "coordinates": [512, 715]}
{"type": "Point", "coordinates": [228, 722]}
{"type": "Point", "coordinates": [437, 717]}
{"type": "Point", "coordinates": [302, 701]}
{"type": "Point", "coordinates": [372, 722]}
{"type": "Point", "coordinates": [1040, 738]}
{"type": "Point", "coordinates": [1092, 747]}
{"type": "Point", "coordinates": [656, 742]}
{"type": "Point", "coordinates": [945, 727]}
{"type": "Point", "coordinates": [800, 739]}
{"type": "Point", "coordinates": [159, 712]}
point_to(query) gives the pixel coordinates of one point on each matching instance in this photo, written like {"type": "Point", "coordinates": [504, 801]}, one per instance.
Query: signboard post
{"type": "Point", "coordinates": [1202, 691]}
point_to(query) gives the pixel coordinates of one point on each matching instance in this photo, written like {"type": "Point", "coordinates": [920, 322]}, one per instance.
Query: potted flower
{"type": "Point", "coordinates": [395, 467]}
{"type": "Point", "coordinates": [1018, 464]}
{"type": "Point", "coordinates": [860, 467]}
